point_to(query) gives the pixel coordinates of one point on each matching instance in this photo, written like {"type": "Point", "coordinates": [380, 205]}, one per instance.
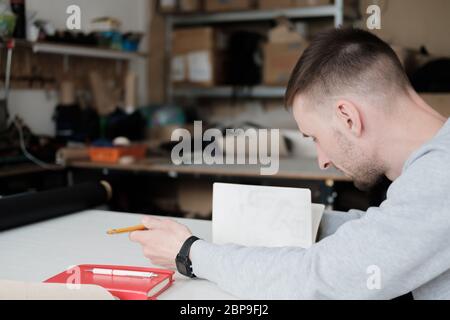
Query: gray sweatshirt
{"type": "Point", "coordinates": [402, 246]}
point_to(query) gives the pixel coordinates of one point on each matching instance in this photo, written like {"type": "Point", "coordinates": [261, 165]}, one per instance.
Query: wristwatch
{"type": "Point", "coordinates": [184, 264]}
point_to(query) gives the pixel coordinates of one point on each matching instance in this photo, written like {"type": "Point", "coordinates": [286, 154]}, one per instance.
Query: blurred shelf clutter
{"type": "Point", "coordinates": [239, 49]}
{"type": "Point", "coordinates": [248, 6]}
{"type": "Point", "coordinates": [87, 69]}
{"type": "Point", "coordinates": [42, 51]}
{"type": "Point", "coordinates": [223, 62]}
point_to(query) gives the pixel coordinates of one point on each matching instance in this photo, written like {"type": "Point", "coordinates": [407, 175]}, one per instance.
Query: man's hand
{"type": "Point", "coordinates": [162, 241]}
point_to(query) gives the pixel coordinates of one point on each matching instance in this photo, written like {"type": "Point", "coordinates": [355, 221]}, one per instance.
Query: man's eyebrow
{"type": "Point", "coordinates": [305, 136]}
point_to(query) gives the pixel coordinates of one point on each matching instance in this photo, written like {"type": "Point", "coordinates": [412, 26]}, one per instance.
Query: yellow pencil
{"type": "Point", "coordinates": [128, 229]}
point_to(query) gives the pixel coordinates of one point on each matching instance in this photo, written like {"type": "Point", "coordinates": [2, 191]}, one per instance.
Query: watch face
{"type": "Point", "coordinates": [182, 265]}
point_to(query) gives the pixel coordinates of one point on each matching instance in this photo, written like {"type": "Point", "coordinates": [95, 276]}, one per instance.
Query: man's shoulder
{"type": "Point", "coordinates": [436, 151]}
{"type": "Point", "coordinates": [426, 176]}
{"type": "Point", "coordinates": [442, 139]}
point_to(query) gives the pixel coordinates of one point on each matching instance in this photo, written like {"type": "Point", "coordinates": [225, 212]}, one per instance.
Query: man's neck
{"type": "Point", "coordinates": [408, 131]}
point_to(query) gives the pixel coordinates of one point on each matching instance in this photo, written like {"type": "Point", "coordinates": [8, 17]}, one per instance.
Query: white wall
{"type": "Point", "coordinates": [36, 107]}
{"type": "Point", "coordinates": [130, 12]}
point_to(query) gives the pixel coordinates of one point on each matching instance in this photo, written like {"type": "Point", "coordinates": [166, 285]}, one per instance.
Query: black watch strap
{"type": "Point", "coordinates": [184, 264]}
{"type": "Point", "coordinates": [186, 247]}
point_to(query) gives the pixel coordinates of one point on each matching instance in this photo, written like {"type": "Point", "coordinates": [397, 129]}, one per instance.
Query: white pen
{"type": "Point", "coordinates": [125, 273]}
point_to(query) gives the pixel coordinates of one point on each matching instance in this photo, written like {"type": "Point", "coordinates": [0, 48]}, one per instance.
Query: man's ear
{"type": "Point", "coordinates": [349, 117]}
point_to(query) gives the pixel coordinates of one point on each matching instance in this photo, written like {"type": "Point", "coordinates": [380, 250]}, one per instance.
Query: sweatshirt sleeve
{"type": "Point", "coordinates": [333, 220]}
{"type": "Point", "coordinates": [389, 251]}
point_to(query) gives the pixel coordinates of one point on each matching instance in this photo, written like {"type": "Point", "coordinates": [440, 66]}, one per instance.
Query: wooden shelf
{"type": "Point", "coordinates": [334, 11]}
{"type": "Point", "coordinates": [290, 168]}
{"type": "Point", "coordinates": [228, 92]}
{"type": "Point", "coordinates": [81, 51]}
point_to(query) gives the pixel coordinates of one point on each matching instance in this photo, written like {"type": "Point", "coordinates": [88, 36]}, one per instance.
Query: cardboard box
{"type": "Point", "coordinates": [282, 33]}
{"type": "Point", "coordinates": [191, 5]}
{"type": "Point", "coordinates": [201, 68]}
{"type": "Point", "coordinates": [281, 53]}
{"type": "Point", "coordinates": [228, 5]}
{"type": "Point", "coordinates": [311, 3]}
{"type": "Point", "coordinates": [197, 57]}
{"type": "Point", "coordinates": [280, 4]}
{"type": "Point", "coordinates": [279, 61]}
{"type": "Point", "coordinates": [193, 39]}
{"type": "Point", "coordinates": [167, 6]}
{"type": "Point", "coordinates": [274, 4]}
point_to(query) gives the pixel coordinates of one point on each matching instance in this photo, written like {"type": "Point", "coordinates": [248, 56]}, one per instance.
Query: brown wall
{"type": "Point", "coordinates": [413, 23]}
{"type": "Point", "coordinates": [157, 60]}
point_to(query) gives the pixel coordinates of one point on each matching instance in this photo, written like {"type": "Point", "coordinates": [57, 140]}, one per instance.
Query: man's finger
{"type": "Point", "coordinates": [137, 236]}
{"type": "Point", "coordinates": [152, 223]}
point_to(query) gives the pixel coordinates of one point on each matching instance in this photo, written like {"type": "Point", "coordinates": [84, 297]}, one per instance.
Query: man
{"type": "Point", "coordinates": [350, 94]}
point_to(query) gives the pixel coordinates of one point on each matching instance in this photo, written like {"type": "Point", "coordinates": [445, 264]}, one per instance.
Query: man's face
{"type": "Point", "coordinates": [337, 147]}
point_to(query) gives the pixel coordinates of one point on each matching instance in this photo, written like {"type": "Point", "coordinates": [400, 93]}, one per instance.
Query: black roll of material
{"type": "Point", "coordinates": [18, 7]}
{"type": "Point", "coordinates": [23, 209]}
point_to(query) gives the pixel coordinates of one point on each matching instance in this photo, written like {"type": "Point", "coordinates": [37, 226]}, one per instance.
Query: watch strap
{"type": "Point", "coordinates": [186, 247]}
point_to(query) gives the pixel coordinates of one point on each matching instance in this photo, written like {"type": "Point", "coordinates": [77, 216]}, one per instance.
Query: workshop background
{"type": "Point", "coordinates": [101, 103]}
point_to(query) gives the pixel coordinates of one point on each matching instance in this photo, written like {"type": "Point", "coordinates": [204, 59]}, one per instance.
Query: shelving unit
{"type": "Point", "coordinates": [37, 56]}
{"type": "Point", "coordinates": [335, 11]}
{"type": "Point", "coordinates": [72, 50]}
{"type": "Point", "coordinates": [80, 51]}
{"type": "Point", "coordinates": [228, 91]}
{"type": "Point", "coordinates": [116, 60]}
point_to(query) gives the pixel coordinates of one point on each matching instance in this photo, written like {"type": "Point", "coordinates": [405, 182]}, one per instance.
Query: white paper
{"type": "Point", "coordinates": [178, 68]}
{"type": "Point", "coordinates": [317, 213]}
{"type": "Point", "coordinates": [199, 66]}
{"type": "Point", "coordinates": [16, 290]}
{"type": "Point", "coordinates": [264, 216]}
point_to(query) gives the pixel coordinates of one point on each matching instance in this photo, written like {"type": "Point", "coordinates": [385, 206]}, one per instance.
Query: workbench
{"type": "Point", "coordinates": [290, 169]}
{"type": "Point", "coordinates": [36, 252]}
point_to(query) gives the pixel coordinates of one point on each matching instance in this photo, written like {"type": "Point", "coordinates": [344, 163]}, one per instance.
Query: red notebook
{"type": "Point", "coordinates": [124, 287]}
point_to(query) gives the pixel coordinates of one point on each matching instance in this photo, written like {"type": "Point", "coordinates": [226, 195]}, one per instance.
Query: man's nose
{"type": "Point", "coordinates": [324, 162]}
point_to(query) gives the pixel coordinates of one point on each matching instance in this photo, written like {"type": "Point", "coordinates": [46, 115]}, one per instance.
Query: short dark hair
{"type": "Point", "coordinates": [340, 57]}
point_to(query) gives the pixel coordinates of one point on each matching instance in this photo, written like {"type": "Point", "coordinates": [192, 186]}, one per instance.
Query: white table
{"type": "Point", "coordinates": [37, 252]}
